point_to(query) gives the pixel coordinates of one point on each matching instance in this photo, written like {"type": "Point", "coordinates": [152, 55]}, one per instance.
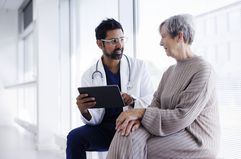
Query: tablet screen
{"type": "Point", "coordinates": [106, 96]}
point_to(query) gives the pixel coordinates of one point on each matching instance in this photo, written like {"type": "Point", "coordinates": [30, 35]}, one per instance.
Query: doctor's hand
{"type": "Point", "coordinates": [129, 121]}
{"type": "Point", "coordinates": [128, 99]}
{"type": "Point", "coordinates": [84, 102]}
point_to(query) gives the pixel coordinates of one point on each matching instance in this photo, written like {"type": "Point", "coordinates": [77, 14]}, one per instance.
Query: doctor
{"type": "Point", "coordinates": [113, 68]}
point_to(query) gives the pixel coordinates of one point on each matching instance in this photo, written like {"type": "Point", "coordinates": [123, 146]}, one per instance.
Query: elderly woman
{"type": "Point", "coordinates": [182, 121]}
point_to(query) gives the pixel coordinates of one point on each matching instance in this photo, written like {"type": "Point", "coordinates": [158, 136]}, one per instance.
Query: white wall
{"type": "Point", "coordinates": [8, 57]}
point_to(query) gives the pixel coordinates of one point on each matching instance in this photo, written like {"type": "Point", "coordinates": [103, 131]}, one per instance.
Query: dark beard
{"type": "Point", "coordinates": [115, 55]}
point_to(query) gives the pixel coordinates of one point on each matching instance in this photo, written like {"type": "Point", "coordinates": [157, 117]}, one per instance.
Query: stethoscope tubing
{"type": "Point", "coordinates": [101, 75]}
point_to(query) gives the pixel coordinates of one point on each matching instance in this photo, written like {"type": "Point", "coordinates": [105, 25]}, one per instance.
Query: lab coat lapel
{"type": "Point", "coordinates": [124, 72]}
{"type": "Point", "coordinates": [102, 70]}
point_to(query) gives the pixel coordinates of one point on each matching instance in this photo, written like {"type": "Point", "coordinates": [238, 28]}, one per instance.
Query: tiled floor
{"type": "Point", "coordinates": [16, 144]}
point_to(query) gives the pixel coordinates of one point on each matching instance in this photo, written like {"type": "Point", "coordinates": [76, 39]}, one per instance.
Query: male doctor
{"type": "Point", "coordinates": [113, 68]}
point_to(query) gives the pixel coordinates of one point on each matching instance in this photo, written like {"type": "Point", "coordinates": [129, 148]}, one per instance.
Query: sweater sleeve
{"type": "Point", "coordinates": [191, 102]}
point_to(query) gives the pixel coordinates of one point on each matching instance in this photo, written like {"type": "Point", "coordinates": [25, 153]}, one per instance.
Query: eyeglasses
{"type": "Point", "coordinates": [115, 41]}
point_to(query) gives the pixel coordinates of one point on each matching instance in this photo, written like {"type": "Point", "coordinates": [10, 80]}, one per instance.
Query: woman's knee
{"type": "Point", "coordinates": [137, 136]}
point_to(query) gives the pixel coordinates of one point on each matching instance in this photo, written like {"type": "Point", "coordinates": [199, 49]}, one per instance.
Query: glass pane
{"type": "Point", "coordinates": [30, 64]}
{"type": "Point", "coordinates": [28, 14]}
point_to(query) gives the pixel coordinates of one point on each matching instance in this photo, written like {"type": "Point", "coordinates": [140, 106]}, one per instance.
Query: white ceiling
{"type": "Point", "coordinates": [10, 4]}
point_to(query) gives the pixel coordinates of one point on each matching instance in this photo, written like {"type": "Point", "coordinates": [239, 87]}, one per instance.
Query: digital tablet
{"type": "Point", "coordinates": [106, 96]}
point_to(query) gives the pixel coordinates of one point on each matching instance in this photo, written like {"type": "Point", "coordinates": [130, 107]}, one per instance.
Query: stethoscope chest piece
{"type": "Point", "coordinates": [129, 86]}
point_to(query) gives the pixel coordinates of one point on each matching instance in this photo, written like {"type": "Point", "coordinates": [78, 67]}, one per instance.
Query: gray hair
{"type": "Point", "coordinates": [180, 23]}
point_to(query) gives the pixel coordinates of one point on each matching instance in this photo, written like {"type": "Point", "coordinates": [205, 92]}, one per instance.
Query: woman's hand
{"type": "Point", "coordinates": [129, 121]}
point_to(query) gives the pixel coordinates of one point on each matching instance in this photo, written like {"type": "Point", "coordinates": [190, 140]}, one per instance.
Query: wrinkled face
{"type": "Point", "coordinates": [169, 44]}
{"type": "Point", "coordinates": [113, 44]}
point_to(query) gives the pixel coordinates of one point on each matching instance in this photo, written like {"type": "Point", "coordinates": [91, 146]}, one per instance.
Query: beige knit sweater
{"type": "Point", "coordinates": [185, 107]}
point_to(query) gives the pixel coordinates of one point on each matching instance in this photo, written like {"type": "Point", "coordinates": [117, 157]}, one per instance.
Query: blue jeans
{"type": "Point", "coordinates": [89, 138]}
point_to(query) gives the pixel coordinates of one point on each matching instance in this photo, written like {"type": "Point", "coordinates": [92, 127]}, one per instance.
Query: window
{"type": "Point", "coordinates": [27, 66]}
{"type": "Point", "coordinates": [28, 62]}
{"type": "Point", "coordinates": [25, 17]}
{"type": "Point", "coordinates": [28, 14]}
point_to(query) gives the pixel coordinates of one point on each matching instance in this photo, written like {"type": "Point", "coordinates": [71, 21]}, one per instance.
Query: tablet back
{"type": "Point", "coordinates": [106, 96]}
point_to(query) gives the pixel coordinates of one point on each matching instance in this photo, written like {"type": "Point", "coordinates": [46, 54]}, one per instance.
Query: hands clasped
{"type": "Point", "coordinates": [129, 121]}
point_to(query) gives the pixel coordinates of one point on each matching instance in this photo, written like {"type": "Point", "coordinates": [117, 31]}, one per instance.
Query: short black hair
{"type": "Point", "coordinates": [106, 25]}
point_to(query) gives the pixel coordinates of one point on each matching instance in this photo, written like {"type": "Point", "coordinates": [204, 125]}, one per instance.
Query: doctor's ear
{"type": "Point", "coordinates": [100, 44]}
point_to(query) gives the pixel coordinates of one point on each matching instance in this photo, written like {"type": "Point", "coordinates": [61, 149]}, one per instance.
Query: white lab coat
{"type": "Point", "coordinates": [141, 87]}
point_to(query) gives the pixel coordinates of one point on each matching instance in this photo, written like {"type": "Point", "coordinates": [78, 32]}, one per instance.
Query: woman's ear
{"type": "Point", "coordinates": [180, 37]}
{"type": "Point", "coordinates": [99, 43]}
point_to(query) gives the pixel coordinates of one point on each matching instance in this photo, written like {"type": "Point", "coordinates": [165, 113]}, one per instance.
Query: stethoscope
{"type": "Point", "coordinates": [97, 72]}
